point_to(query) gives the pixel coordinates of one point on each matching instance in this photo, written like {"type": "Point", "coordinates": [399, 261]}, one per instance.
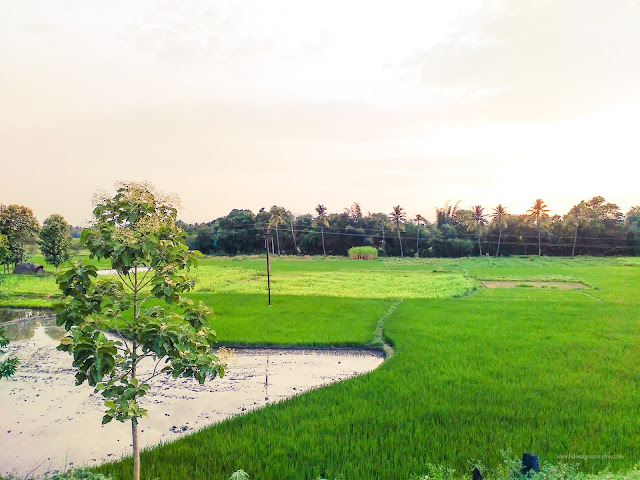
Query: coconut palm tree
{"type": "Point", "coordinates": [499, 217]}
{"type": "Point", "coordinates": [419, 218]}
{"type": "Point", "coordinates": [447, 214]}
{"type": "Point", "coordinates": [538, 214]}
{"type": "Point", "coordinates": [478, 222]}
{"type": "Point", "coordinates": [293, 235]}
{"type": "Point", "coordinates": [578, 216]}
{"type": "Point", "coordinates": [276, 218]}
{"type": "Point", "coordinates": [398, 217]}
{"type": "Point", "coordinates": [321, 220]}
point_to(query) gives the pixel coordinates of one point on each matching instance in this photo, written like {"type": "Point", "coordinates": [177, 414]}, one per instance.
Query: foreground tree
{"type": "Point", "coordinates": [19, 225]}
{"type": "Point", "coordinates": [499, 217]}
{"type": "Point", "coordinates": [398, 217]}
{"type": "Point", "coordinates": [8, 365]}
{"type": "Point", "coordinates": [538, 214]}
{"type": "Point", "coordinates": [55, 241]}
{"type": "Point", "coordinates": [134, 229]}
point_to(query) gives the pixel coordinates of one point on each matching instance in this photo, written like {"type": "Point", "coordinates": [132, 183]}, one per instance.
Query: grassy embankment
{"type": "Point", "coordinates": [531, 369]}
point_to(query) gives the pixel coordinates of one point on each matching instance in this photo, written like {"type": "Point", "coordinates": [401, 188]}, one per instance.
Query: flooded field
{"type": "Point", "coordinates": [48, 424]}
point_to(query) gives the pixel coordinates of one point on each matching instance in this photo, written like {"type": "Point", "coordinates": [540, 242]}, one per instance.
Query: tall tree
{"type": "Point", "coordinates": [55, 241]}
{"type": "Point", "coordinates": [355, 212]}
{"type": "Point", "coordinates": [419, 219]}
{"type": "Point", "coordinates": [5, 253]}
{"type": "Point", "coordinates": [19, 225]}
{"type": "Point", "coordinates": [380, 220]}
{"type": "Point", "coordinates": [277, 218]}
{"type": "Point", "coordinates": [292, 219]}
{"type": "Point", "coordinates": [398, 217]}
{"type": "Point", "coordinates": [538, 213]}
{"type": "Point", "coordinates": [135, 228]}
{"type": "Point", "coordinates": [499, 217]}
{"type": "Point", "coordinates": [578, 216]}
{"type": "Point", "coordinates": [447, 214]}
{"type": "Point", "coordinates": [608, 213]}
{"type": "Point", "coordinates": [479, 221]}
{"type": "Point", "coordinates": [322, 221]}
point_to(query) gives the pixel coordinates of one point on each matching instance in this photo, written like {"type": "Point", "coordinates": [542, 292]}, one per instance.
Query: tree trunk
{"type": "Point", "coordinates": [134, 347]}
{"type": "Point", "coordinates": [479, 245]}
{"type": "Point", "coordinates": [293, 235]}
{"type": "Point", "coordinates": [136, 450]}
{"type": "Point", "coordinates": [539, 241]}
{"type": "Point", "coordinates": [278, 240]}
{"type": "Point", "coordinates": [575, 239]}
{"type": "Point", "coordinates": [499, 238]}
{"type": "Point", "coordinates": [400, 242]}
{"type": "Point", "coordinates": [324, 251]}
{"type": "Point", "coordinates": [418, 241]}
{"type": "Point", "coordinates": [384, 245]}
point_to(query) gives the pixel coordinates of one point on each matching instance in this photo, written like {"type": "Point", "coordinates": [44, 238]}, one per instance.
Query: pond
{"type": "Point", "coordinates": [48, 424]}
{"type": "Point", "coordinates": [13, 314]}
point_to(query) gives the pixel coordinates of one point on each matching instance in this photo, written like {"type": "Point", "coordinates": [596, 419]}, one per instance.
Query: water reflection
{"type": "Point", "coordinates": [7, 314]}
{"type": "Point", "coordinates": [33, 320]}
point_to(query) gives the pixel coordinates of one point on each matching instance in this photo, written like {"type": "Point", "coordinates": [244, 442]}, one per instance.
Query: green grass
{"type": "Point", "coordinates": [38, 291]}
{"type": "Point", "coordinates": [342, 284]}
{"type": "Point", "coordinates": [545, 370]}
{"type": "Point", "coordinates": [242, 319]}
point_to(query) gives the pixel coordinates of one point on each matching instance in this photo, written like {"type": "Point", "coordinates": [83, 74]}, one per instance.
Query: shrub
{"type": "Point", "coordinates": [363, 253]}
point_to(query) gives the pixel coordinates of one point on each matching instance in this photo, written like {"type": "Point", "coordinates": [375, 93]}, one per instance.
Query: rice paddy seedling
{"type": "Point", "coordinates": [545, 370]}
{"type": "Point", "coordinates": [218, 279]}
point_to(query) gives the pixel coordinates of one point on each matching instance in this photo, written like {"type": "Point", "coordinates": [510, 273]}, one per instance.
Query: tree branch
{"type": "Point", "coordinates": [149, 281]}
{"type": "Point", "coordinates": [129, 285]}
{"type": "Point", "coordinates": [155, 368]}
{"type": "Point", "coordinates": [145, 276]}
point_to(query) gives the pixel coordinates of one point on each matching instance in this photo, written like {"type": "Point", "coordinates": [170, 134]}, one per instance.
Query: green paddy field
{"type": "Point", "coordinates": [476, 371]}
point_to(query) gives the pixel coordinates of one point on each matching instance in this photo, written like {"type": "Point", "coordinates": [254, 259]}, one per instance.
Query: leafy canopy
{"type": "Point", "coordinates": [144, 307]}
{"type": "Point", "coordinates": [8, 365]}
{"type": "Point", "coordinates": [55, 241]}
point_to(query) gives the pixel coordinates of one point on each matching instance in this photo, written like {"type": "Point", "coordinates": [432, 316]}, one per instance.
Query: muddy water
{"type": "Point", "coordinates": [48, 424]}
{"type": "Point", "coordinates": [13, 314]}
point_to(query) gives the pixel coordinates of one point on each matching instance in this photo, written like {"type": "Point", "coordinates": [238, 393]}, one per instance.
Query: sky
{"type": "Point", "coordinates": [248, 104]}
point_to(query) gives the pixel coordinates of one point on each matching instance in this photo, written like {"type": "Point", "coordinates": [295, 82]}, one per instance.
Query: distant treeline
{"type": "Point", "coordinates": [593, 227]}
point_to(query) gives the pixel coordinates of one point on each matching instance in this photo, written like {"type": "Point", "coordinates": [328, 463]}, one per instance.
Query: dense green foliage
{"type": "Point", "coordinates": [599, 229]}
{"type": "Point", "coordinates": [363, 253]}
{"type": "Point", "coordinates": [7, 365]}
{"type": "Point", "coordinates": [136, 228]}
{"type": "Point", "coordinates": [55, 240]}
{"type": "Point", "coordinates": [18, 226]}
{"type": "Point", "coordinates": [532, 369]}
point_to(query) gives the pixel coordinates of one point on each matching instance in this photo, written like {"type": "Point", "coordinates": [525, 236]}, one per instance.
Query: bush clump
{"type": "Point", "coordinates": [363, 253]}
